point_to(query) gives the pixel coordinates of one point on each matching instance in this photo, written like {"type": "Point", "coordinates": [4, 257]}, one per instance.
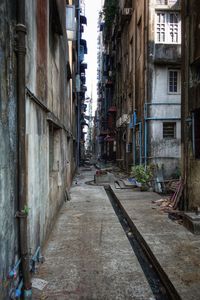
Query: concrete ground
{"type": "Point", "coordinates": [175, 248]}
{"type": "Point", "coordinates": [88, 255]}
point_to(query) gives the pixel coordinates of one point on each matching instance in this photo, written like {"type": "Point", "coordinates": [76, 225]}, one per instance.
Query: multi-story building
{"type": "Point", "coordinates": [38, 113]}
{"type": "Point", "coordinates": [142, 56]}
{"type": "Point", "coordinates": [191, 101]}
{"type": "Point", "coordinates": [106, 110]}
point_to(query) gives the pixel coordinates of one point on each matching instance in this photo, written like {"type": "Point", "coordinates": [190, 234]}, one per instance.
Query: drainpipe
{"type": "Point", "coordinates": [140, 130]}
{"type": "Point", "coordinates": [22, 172]}
{"type": "Point", "coordinates": [145, 134]}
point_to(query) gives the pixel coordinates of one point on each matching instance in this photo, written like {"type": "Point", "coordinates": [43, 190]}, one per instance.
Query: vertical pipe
{"type": "Point", "coordinates": [22, 172]}
{"type": "Point", "coordinates": [145, 134]}
{"type": "Point", "coordinates": [140, 128]}
{"type": "Point", "coordinates": [147, 39]}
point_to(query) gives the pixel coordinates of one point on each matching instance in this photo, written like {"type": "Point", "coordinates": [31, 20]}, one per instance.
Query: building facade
{"type": "Point", "coordinates": [142, 82]}
{"type": "Point", "coordinates": [191, 102]}
{"type": "Point", "coordinates": [39, 135]}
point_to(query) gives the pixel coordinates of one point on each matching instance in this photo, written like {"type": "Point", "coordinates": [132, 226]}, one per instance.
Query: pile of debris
{"type": "Point", "coordinates": [171, 203]}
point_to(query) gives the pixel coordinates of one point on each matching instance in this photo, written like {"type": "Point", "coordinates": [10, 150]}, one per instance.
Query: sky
{"type": "Point", "coordinates": [92, 8]}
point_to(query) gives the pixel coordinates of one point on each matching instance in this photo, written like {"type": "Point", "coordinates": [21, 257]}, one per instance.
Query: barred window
{"type": "Point", "coordinates": [169, 130]}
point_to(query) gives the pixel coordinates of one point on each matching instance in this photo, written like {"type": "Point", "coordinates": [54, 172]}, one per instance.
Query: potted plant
{"type": "Point", "coordinates": [143, 174]}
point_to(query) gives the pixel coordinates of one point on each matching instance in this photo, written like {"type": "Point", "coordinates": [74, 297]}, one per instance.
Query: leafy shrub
{"type": "Point", "coordinates": [109, 12]}
{"type": "Point", "coordinates": [142, 174]}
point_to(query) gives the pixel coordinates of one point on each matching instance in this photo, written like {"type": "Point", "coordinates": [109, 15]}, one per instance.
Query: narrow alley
{"type": "Point", "coordinates": [89, 255]}
{"type": "Point", "coordinates": [100, 150]}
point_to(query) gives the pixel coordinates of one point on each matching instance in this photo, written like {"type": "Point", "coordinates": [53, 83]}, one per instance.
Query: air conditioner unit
{"type": "Point", "coordinates": [127, 11]}
{"type": "Point", "coordinates": [119, 122]}
{"type": "Point", "coordinates": [125, 118]}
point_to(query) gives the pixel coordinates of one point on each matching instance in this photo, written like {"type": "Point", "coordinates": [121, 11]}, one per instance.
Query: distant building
{"type": "Point", "coordinates": [141, 85]}
{"type": "Point", "coordinates": [191, 101]}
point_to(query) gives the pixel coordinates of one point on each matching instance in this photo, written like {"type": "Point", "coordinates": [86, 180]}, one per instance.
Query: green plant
{"type": "Point", "coordinates": [142, 174]}
{"type": "Point", "coordinates": [26, 210]}
{"type": "Point", "coordinates": [109, 12]}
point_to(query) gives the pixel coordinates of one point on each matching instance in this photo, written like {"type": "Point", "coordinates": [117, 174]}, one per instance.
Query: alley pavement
{"type": "Point", "coordinates": [88, 255]}
{"type": "Point", "coordinates": [174, 249]}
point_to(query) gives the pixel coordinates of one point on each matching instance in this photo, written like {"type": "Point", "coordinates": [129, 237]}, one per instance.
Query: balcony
{"type": "Point", "coordinates": [167, 53]}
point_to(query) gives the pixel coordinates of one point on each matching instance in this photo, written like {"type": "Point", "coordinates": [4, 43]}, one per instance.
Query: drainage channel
{"type": "Point", "coordinates": [160, 284]}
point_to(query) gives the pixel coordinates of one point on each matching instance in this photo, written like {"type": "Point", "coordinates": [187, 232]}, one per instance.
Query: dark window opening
{"type": "Point", "coordinates": [169, 130]}
{"type": "Point", "coordinates": [53, 147]}
{"type": "Point", "coordinates": [196, 119]}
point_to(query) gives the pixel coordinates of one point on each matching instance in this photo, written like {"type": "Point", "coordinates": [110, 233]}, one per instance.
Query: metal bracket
{"type": "Point", "coordinates": [20, 214]}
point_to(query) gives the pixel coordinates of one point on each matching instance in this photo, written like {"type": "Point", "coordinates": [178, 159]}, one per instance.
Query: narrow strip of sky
{"type": "Point", "coordinates": [92, 8]}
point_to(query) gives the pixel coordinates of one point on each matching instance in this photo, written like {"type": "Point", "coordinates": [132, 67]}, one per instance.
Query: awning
{"type": "Point", "coordinates": [83, 20]}
{"type": "Point", "coordinates": [84, 44]}
{"type": "Point", "coordinates": [112, 109]}
{"type": "Point", "coordinates": [109, 138]}
{"type": "Point", "coordinates": [83, 67]}
{"type": "Point", "coordinates": [103, 132]}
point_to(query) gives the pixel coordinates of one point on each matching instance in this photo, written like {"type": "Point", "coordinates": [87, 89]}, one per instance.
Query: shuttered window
{"type": "Point", "coordinates": [169, 130]}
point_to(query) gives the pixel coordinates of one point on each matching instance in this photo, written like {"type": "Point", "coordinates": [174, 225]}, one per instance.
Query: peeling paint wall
{"type": "Point", "coordinates": [50, 125]}
{"type": "Point", "coordinates": [49, 148]}
{"type": "Point", "coordinates": [8, 144]}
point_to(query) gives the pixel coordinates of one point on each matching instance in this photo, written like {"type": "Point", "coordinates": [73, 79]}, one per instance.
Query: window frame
{"type": "Point", "coordinates": [168, 27]}
{"type": "Point", "coordinates": [167, 2]}
{"type": "Point", "coordinates": [178, 81]}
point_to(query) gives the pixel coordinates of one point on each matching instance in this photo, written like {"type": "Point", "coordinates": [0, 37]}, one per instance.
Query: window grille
{"type": "Point", "coordinates": [169, 130]}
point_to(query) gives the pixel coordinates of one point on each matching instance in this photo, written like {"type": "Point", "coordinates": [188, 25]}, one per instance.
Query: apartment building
{"type": "Point", "coordinates": [142, 82]}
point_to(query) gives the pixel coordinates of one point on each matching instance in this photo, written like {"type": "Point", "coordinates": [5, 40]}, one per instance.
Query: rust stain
{"type": "Point", "coordinates": [42, 21]}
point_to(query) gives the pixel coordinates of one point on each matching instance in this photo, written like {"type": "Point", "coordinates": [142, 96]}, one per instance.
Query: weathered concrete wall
{"type": "Point", "coordinates": [8, 145]}
{"type": "Point", "coordinates": [193, 183]}
{"type": "Point", "coordinates": [160, 86]}
{"type": "Point", "coordinates": [49, 147]}
{"type": "Point", "coordinates": [50, 127]}
{"type": "Point", "coordinates": [162, 58]}
{"type": "Point", "coordinates": [190, 99]}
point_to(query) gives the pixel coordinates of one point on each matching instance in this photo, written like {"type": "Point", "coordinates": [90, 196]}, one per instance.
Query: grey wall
{"type": "Point", "coordinates": [8, 144]}
{"type": "Point", "coordinates": [47, 79]}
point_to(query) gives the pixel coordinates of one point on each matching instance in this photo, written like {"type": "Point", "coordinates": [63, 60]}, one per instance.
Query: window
{"type": "Point", "coordinates": [139, 37]}
{"type": "Point", "coordinates": [169, 130]}
{"type": "Point", "coordinates": [196, 133]}
{"type": "Point", "coordinates": [71, 22]}
{"type": "Point", "coordinates": [131, 55]}
{"type": "Point", "coordinates": [161, 2]}
{"type": "Point", "coordinates": [53, 147]}
{"type": "Point", "coordinates": [167, 2]}
{"type": "Point", "coordinates": [174, 81]}
{"type": "Point", "coordinates": [168, 27]}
